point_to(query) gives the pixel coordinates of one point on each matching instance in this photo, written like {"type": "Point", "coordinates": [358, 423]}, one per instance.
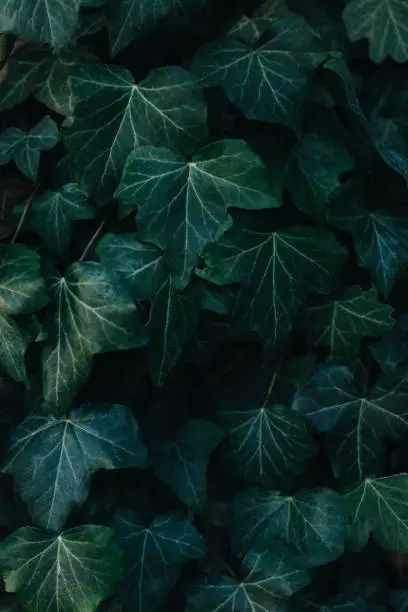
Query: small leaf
{"type": "Point", "coordinates": [181, 461]}
{"type": "Point", "coordinates": [52, 459]}
{"type": "Point", "coordinates": [154, 557]}
{"type": "Point", "coordinates": [390, 144]}
{"type": "Point", "coordinates": [391, 352]}
{"type": "Point", "coordinates": [73, 571]}
{"type": "Point", "coordinates": [378, 507]}
{"type": "Point", "coordinates": [310, 521]}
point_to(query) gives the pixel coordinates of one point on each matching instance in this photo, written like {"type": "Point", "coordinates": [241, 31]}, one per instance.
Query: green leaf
{"type": "Point", "coordinates": [133, 19]}
{"type": "Point", "coordinates": [277, 271]}
{"type": "Point", "coordinates": [52, 459]}
{"type": "Point", "coordinates": [167, 108]}
{"type": "Point", "coordinates": [181, 461]}
{"type": "Point", "coordinates": [391, 352]}
{"type": "Point", "coordinates": [269, 82]}
{"type": "Point", "coordinates": [154, 557]}
{"type": "Point", "coordinates": [40, 20]}
{"type": "Point", "coordinates": [314, 170]}
{"type": "Point", "coordinates": [383, 23]}
{"type": "Point", "coordinates": [378, 507]}
{"type": "Point", "coordinates": [269, 578]}
{"type": "Point", "coordinates": [390, 145]}
{"type": "Point", "coordinates": [174, 316]}
{"type": "Point", "coordinates": [25, 148]}
{"type": "Point", "coordinates": [310, 522]}
{"type": "Point", "coordinates": [139, 264]}
{"type": "Point", "coordinates": [250, 29]}
{"type": "Point", "coordinates": [52, 214]}
{"type": "Point", "coordinates": [182, 206]}
{"type": "Point", "coordinates": [399, 600]}
{"type": "Point", "coordinates": [342, 323]}
{"type": "Point", "coordinates": [93, 314]}
{"type": "Point", "coordinates": [72, 571]}
{"type": "Point", "coordinates": [360, 421]}
{"type": "Point", "coordinates": [380, 237]}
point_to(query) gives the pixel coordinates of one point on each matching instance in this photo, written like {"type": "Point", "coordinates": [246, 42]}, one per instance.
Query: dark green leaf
{"type": "Point", "coordinates": [250, 29]}
{"type": "Point", "coordinates": [391, 352]}
{"type": "Point", "coordinates": [390, 144]}
{"type": "Point", "coordinates": [399, 600]}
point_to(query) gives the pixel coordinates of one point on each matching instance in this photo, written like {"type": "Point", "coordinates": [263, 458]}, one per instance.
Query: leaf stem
{"type": "Point", "coordinates": [92, 240]}
{"type": "Point", "coordinates": [24, 214]}
{"type": "Point", "coordinates": [272, 383]}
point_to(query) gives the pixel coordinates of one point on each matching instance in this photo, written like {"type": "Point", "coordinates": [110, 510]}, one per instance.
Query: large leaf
{"type": "Point", "coordinates": [113, 115]}
{"type": "Point", "coordinates": [277, 271]}
{"type": "Point", "coordinates": [130, 19]}
{"type": "Point", "coordinates": [360, 420]}
{"type": "Point", "coordinates": [40, 20]}
{"type": "Point", "coordinates": [182, 206]}
{"type": "Point", "coordinates": [315, 167]}
{"type": "Point", "coordinates": [93, 314]}
{"type": "Point", "coordinates": [268, 82]}
{"type": "Point", "coordinates": [52, 214]}
{"type": "Point", "coordinates": [181, 461]}
{"type": "Point", "coordinates": [52, 459]}
{"type": "Point", "coordinates": [154, 557]}
{"type": "Point", "coordinates": [311, 522]}
{"type": "Point", "coordinates": [341, 324]}
{"type": "Point", "coordinates": [269, 577]}
{"type": "Point", "coordinates": [73, 571]}
{"type": "Point", "coordinates": [378, 507]}
{"type": "Point", "coordinates": [139, 264]}
{"type": "Point", "coordinates": [383, 23]}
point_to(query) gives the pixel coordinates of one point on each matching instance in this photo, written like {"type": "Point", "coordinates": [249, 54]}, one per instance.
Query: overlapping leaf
{"type": "Point", "coordinates": [390, 145]}
{"type": "Point", "coordinates": [72, 571]}
{"type": "Point", "coordinates": [183, 206]}
{"type": "Point", "coordinates": [391, 352]}
{"type": "Point", "coordinates": [113, 115]}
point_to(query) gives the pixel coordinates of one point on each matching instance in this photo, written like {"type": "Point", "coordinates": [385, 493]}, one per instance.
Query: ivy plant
{"type": "Point", "coordinates": [204, 305]}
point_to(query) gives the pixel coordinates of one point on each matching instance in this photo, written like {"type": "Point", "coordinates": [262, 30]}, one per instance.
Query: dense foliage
{"type": "Point", "coordinates": [204, 305]}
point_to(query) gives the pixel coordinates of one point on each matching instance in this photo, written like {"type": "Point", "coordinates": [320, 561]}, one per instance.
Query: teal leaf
{"type": "Point", "coordinates": [182, 206]}
{"type": "Point", "coordinates": [181, 461]}
{"type": "Point", "coordinates": [250, 29]}
{"type": "Point", "coordinates": [391, 352]}
{"type": "Point", "coordinates": [342, 323]}
{"type": "Point", "coordinates": [378, 507]}
{"type": "Point", "coordinates": [93, 314]}
{"type": "Point", "coordinates": [40, 20]}
{"type": "Point", "coordinates": [390, 145]}
{"type": "Point", "coordinates": [269, 578]}
{"type": "Point", "coordinates": [311, 522]}
{"type": "Point", "coordinates": [140, 265]}
{"type": "Point", "coordinates": [383, 23]}
{"type": "Point", "coordinates": [167, 108]}
{"type": "Point", "coordinates": [133, 19]}
{"type": "Point", "coordinates": [72, 571]}
{"type": "Point", "coordinates": [331, 402]}
{"type": "Point", "coordinates": [174, 316]}
{"type": "Point", "coordinates": [52, 459]}
{"type": "Point", "coordinates": [277, 271]}
{"type": "Point", "coordinates": [52, 216]}
{"type": "Point", "coordinates": [314, 170]}
{"type": "Point", "coordinates": [268, 82]}
{"type": "Point", "coordinates": [399, 600]}
{"type": "Point", "coordinates": [154, 556]}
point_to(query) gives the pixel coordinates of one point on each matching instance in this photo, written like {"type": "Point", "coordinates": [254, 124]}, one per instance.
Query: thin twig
{"type": "Point", "coordinates": [24, 214]}
{"type": "Point", "coordinates": [272, 383]}
{"type": "Point", "coordinates": [92, 240]}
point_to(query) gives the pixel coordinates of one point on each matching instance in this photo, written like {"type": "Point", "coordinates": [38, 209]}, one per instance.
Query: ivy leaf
{"type": "Point", "coordinates": [51, 23]}
{"type": "Point", "coordinates": [180, 313]}
{"type": "Point", "coordinates": [390, 144]}
{"type": "Point", "coordinates": [139, 264]}
{"type": "Point", "coordinates": [52, 459]}
{"type": "Point", "coordinates": [378, 507]}
{"type": "Point", "coordinates": [93, 314]}
{"type": "Point", "coordinates": [310, 522]}
{"type": "Point", "coordinates": [314, 170]}
{"type": "Point", "coordinates": [167, 108]}
{"type": "Point", "coordinates": [277, 271]}
{"type": "Point", "coordinates": [269, 578]}
{"type": "Point", "coordinates": [52, 214]}
{"type": "Point", "coordinates": [72, 571]}
{"type": "Point", "coordinates": [382, 22]}
{"type": "Point", "coordinates": [155, 555]}
{"type": "Point", "coordinates": [181, 461]}
{"type": "Point", "coordinates": [250, 29]}
{"type": "Point", "coordinates": [330, 401]}
{"type": "Point", "coordinates": [342, 323]}
{"type": "Point", "coordinates": [182, 206]}
{"type": "Point", "coordinates": [268, 82]}
{"type": "Point", "coordinates": [132, 19]}
{"type": "Point", "coordinates": [24, 148]}
{"type": "Point", "coordinates": [391, 352]}
{"type": "Point", "coordinates": [380, 238]}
